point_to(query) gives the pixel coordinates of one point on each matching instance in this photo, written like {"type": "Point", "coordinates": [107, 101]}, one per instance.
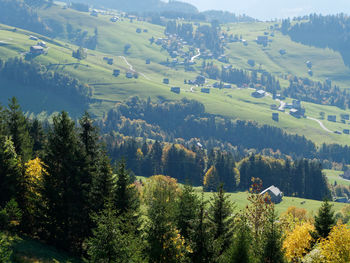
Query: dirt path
{"type": "Point", "coordinates": [131, 68]}
{"type": "Point", "coordinates": [320, 123]}
{"type": "Point", "coordinates": [196, 56]}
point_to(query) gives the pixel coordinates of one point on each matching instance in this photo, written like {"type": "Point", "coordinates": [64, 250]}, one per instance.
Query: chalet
{"type": "Point", "coordinates": [116, 72]}
{"type": "Point", "coordinates": [205, 90]}
{"type": "Point", "coordinates": [275, 194]}
{"type": "Point", "coordinates": [200, 80]}
{"type": "Point", "coordinates": [297, 113]}
{"type": "Point", "coordinates": [345, 116]}
{"type": "Point", "coordinates": [275, 116]}
{"type": "Point", "coordinates": [175, 90]}
{"type": "Point", "coordinates": [332, 118]}
{"type": "Point", "coordinates": [33, 38]}
{"type": "Point", "coordinates": [110, 61]}
{"type": "Point", "coordinates": [346, 131]}
{"type": "Point", "coordinates": [296, 104]}
{"type": "Point", "coordinates": [36, 50]}
{"type": "Point", "coordinates": [114, 19]}
{"type": "Point", "coordinates": [262, 40]}
{"type": "Point", "coordinates": [166, 81]}
{"type": "Point", "coordinates": [42, 44]}
{"type": "Point", "coordinates": [129, 75]}
{"type": "Point", "coordinates": [259, 93]}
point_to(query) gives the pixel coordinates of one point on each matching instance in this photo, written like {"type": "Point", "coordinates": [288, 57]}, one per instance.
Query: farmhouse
{"type": "Point", "coordinates": [205, 90]}
{"type": "Point", "coordinates": [297, 113]}
{"type": "Point", "coordinates": [42, 44]}
{"type": "Point", "coordinates": [116, 72]}
{"type": "Point", "coordinates": [262, 40]}
{"type": "Point", "coordinates": [345, 116]}
{"type": "Point", "coordinates": [346, 131]}
{"type": "Point", "coordinates": [259, 93]}
{"type": "Point", "coordinates": [37, 50]}
{"type": "Point", "coordinates": [166, 81]}
{"type": "Point", "coordinates": [175, 90]}
{"type": "Point", "coordinates": [275, 194]}
{"type": "Point", "coordinates": [227, 86]}
{"type": "Point", "coordinates": [332, 118]}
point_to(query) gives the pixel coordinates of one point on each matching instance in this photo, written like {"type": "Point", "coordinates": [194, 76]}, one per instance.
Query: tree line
{"type": "Point", "coordinates": [332, 31]}
{"type": "Point", "coordinates": [39, 76]}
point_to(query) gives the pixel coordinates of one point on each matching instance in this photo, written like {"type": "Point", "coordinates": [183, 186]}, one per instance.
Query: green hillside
{"type": "Point", "coordinates": [112, 37]}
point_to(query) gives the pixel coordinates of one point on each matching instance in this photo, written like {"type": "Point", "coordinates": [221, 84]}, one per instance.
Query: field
{"type": "Point", "coordinates": [108, 90]}
{"type": "Point", "coordinates": [334, 176]}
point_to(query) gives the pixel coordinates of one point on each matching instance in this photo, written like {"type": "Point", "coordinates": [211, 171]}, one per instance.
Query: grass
{"type": "Point", "coordinates": [30, 251]}
{"type": "Point", "coordinates": [235, 103]}
{"type": "Point", "coordinates": [334, 176]}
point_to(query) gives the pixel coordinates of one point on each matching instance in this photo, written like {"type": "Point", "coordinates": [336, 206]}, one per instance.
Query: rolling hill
{"type": "Point", "coordinates": [111, 40]}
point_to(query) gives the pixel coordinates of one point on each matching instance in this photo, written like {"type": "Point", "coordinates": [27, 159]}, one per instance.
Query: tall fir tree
{"type": "Point", "coordinates": [201, 238]}
{"type": "Point", "coordinates": [324, 220]}
{"type": "Point", "coordinates": [64, 192]}
{"type": "Point", "coordinates": [240, 249]}
{"type": "Point", "coordinates": [221, 221]}
{"type": "Point", "coordinates": [186, 211]}
{"type": "Point", "coordinates": [18, 129]}
{"type": "Point", "coordinates": [273, 243]}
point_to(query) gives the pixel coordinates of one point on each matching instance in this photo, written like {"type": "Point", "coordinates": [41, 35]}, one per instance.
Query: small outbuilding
{"type": "Point", "coordinates": [332, 118]}
{"type": "Point", "coordinates": [259, 93]}
{"type": "Point", "coordinates": [175, 90]}
{"type": "Point", "coordinates": [166, 81]}
{"type": "Point", "coordinates": [129, 75]}
{"type": "Point", "coordinates": [275, 194]}
{"type": "Point", "coordinates": [205, 90]}
{"type": "Point", "coordinates": [36, 50]}
{"type": "Point", "coordinates": [116, 72]}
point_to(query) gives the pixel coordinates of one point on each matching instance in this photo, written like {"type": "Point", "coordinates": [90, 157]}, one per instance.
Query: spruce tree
{"type": "Point", "coordinates": [240, 249]}
{"type": "Point", "coordinates": [325, 219]}
{"type": "Point", "coordinates": [221, 221]}
{"type": "Point", "coordinates": [108, 244]}
{"type": "Point", "coordinates": [127, 201]}
{"type": "Point", "coordinates": [186, 211]}
{"type": "Point", "coordinates": [201, 238]}
{"type": "Point", "coordinates": [272, 247]}
{"type": "Point", "coordinates": [64, 191]}
{"type": "Point", "coordinates": [18, 130]}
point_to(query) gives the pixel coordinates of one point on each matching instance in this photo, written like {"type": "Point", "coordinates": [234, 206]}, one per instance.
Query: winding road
{"type": "Point", "coordinates": [320, 123]}
{"type": "Point", "coordinates": [196, 56]}
{"type": "Point", "coordinates": [131, 68]}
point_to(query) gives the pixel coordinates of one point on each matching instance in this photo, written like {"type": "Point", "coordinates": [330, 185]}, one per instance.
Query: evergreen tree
{"type": "Point", "coordinates": [325, 219]}
{"type": "Point", "coordinates": [5, 249]}
{"type": "Point", "coordinates": [272, 247]}
{"type": "Point", "coordinates": [108, 244]}
{"type": "Point", "coordinates": [239, 251]}
{"type": "Point", "coordinates": [64, 190]}
{"type": "Point", "coordinates": [200, 236]}
{"type": "Point", "coordinates": [18, 130]}
{"type": "Point", "coordinates": [221, 221]}
{"type": "Point", "coordinates": [10, 172]}
{"type": "Point", "coordinates": [186, 211]}
{"type": "Point", "coordinates": [127, 199]}
{"type": "Point", "coordinates": [37, 133]}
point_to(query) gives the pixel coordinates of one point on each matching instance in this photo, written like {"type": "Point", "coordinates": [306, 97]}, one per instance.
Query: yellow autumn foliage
{"type": "Point", "coordinates": [336, 248]}
{"type": "Point", "coordinates": [35, 172]}
{"type": "Point", "coordinates": [298, 242]}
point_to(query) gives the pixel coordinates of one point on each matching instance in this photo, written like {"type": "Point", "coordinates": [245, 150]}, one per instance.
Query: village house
{"type": "Point", "coordinates": [259, 93]}
{"type": "Point", "coordinates": [275, 194]}
{"type": "Point", "coordinates": [332, 118]}
{"type": "Point", "coordinates": [36, 50]}
{"type": "Point", "coordinates": [205, 90]}
{"type": "Point", "coordinates": [175, 90]}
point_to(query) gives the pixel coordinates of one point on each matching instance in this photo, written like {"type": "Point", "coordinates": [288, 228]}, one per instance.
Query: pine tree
{"type": "Point", "coordinates": [273, 243]}
{"type": "Point", "coordinates": [240, 251]}
{"type": "Point", "coordinates": [221, 221]}
{"type": "Point", "coordinates": [10, 172]}
{"type": "Point", "coordinates": [18, 130]}
{"type": "Point", "coordinates": [201, 239]}
{"type": "Point", "coordinates": [64, 190]}
{"type": "Point", "coordinates": [108, 244]}
{"type": "Point", "coordinates": [127, 199]}
{"type": "Point", "coordinates": [324, 220]}
{"type": "Point", "coordinates": [186, 211]}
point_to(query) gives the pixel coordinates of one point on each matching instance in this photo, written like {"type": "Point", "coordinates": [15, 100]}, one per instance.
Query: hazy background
{"type": "Point", "coordinates": [269, 9]}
